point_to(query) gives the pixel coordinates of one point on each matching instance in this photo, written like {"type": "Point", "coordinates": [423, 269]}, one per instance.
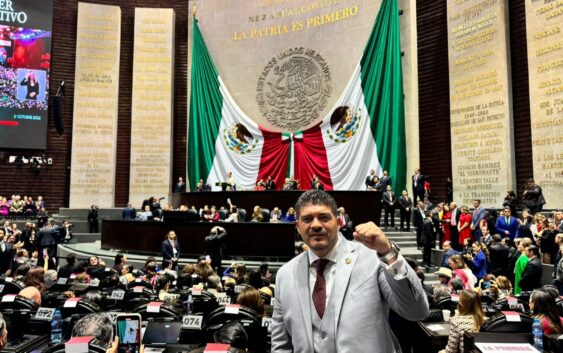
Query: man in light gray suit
{"type": "Point", "coordinates": [336, 296]}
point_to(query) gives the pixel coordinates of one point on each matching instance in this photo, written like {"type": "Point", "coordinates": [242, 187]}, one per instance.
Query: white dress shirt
{"type": "Point", "coordinates": [396, 269]}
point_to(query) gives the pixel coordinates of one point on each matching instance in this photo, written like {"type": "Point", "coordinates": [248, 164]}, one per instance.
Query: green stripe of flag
{"type": "Point", "coordinates": [382, 85]}
{"type": "Point", "coordinates": [206, 103]}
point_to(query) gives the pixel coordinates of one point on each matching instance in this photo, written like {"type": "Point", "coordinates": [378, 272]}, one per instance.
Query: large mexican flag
{"type": "Point", "coordinates": [364, 130]}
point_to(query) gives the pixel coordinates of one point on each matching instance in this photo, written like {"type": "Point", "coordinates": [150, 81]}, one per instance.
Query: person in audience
{"type": "Point", "coordinates": [479, 214]}
{"type": "Point", "coordinates": [418, 217]}
{"type": "Point", "coordinates": [441, 291]}
{"type": "Point", "coordinates": [233, 214]}
{"type": "Point", "coordinates": [510, 201]}
{"type": "Point", "coordinates": [170, 248]}
{"type": "Point", "coordinates": [150, 274]}
{"type": "Point", "coordinates": [215, 246]}
{"type": "Point", "coordinates": [388, 201]}
{"type": "Point", "coordinates": [206, 214]}
{"type": "Point", "coordinates": [405, 203]}
{"type": "Point", "coordinates": [464, 226]}
{"type": "Point", "coordinates": [532, 274]}
{"type": "Point", "coordinates": [250, 297]}
{"type": "Point", "coordinates": [4, 207]}
{"type": "Point", "coordinates": [233, 334]}
{"type": "Point", "coordinates": [50, 279]}
{"type": "Point", "coordinates": [213, 284]}
{"type": "Point", "coordinates": [444, 275]}
{"type": "Point", "coordinates": [98, 325]}
{"type": "Point", "coordinates": [448, 252]}
{"type": "Point", "coordinates": [257, 214]}
{"type": "Point", "coordinates": [3, 333]}
{"type": "Point", "coordinates": [428, 239]}
{"type": "Point", "coordinates": [126, 275]}
{"type": "Point", "coordinates": [276, 215]}
{"type": "Point", "coordinates": [214, 216]}
{"type": "Point", "coordinates": [456, 263]}
{"type": "Point", "coordinates": [166, 268]}
{"type": "Point", "coordinates": [201, 186]}
{"type": "Point", "coordinates": [501, 287]}
{"type": "Point", "coordinates": [270, 183]}
{"type": "Point", "coordinates": [543, 307]}
{"type": "Point", "coordinates": [119, 262]}
{"type": "Point", "coordinates": [265, 273]}
{"type": "Point", "coordinates": [499, 257]}
{"type": "Point", "coordinates": [239, 273]}
{"type": "Point", "coordinates": [558, 268]}
{"type": "Point", "coordinates": [506, 224]}
{"type": "Point", "coordinates": [290, 215]}
{"type": "Point", "coordinates": [95, 267]}
{"type": "Point", "coordinates": [128, 213]}
{"type": "Point", "coordinates": [31, 293]}
{"type": "Point", "coordinates": [533, 197]}
{"type": "Point", "coordinates": [162, 286]}
{"type": "Point", "coordinates": [35, 277]}
{"type": "Point", "coordinates": [548, 247]}
{"type": "Point", "coordinates": [260, 185]}
{"type": "Point", "coordinates": [469, 317]}
{"type": "Point", "coordinates": [477, 261]}
{"type": "Point", "coordinates": [521, 263]}
{"type": "Point", "coordinates": [93, 219]}
{"type": "Point", "coordinates": [539, 226]}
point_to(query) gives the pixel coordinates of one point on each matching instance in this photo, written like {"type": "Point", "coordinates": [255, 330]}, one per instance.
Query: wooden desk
{"type": "Point", "coordinates": [263, 240]}
{"type": "Point", "coordinates": [433, 340]}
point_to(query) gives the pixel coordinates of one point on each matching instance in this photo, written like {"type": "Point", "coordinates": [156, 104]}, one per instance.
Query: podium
{"type": "Point", "coordinates": [225, 186]}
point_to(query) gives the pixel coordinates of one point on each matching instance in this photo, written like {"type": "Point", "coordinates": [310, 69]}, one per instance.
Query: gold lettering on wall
{"type": "Point", "coordinates": [151, 111]}
{"type": "Point", "coordinates": [545, 70]}
{"type": "Point", "coordinates": [94, 132]}
{"type": "Point", "coordinates": [480, 103]}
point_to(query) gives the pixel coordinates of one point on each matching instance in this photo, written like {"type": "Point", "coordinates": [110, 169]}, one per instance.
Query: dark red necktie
{"type": "Point", "coordinates": [319, 291]}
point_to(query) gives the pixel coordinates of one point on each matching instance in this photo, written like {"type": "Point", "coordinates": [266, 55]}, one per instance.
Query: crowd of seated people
{"type": "Point", "coordinates": [194, 289]}
{"type": "Point", "coordinates": [18, 207]}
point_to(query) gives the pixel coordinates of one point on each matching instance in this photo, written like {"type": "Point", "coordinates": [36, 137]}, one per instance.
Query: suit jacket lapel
{"type": "Point", "coordinates": [345, 261]}
{"type": "Point", "coordinates": [301, 273]}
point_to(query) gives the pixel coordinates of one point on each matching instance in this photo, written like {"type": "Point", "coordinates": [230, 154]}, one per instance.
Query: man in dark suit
{"type": "Point", "coordinates": [385, 180]}
{"type": "Point", "coordinates": [406, 208]}
{"type": "Point", "coordinates": [499, 257]}
{"type": "Point", "coordinates": [170, 248]}
{"type": "Point", "coordinates": [6, 252]}
{"type": "Point", "coordinates": [389, 206]}
{"type": "Point", "coordinates": [478, 214]}
{"type": "Point", "coordinates": [370, 180]}
{"type": "Point", "coordinates": [180, 185]}
{"type": "Point", "coordinates": [47, 241]}
{"type": "Point", "coordinates": [270, 183]}
{"type": "Point", "coordinates": [418, 216]}
{"type": "Point", "coordinates": [66, 270]}
{"type": "Point", "coordinates": [533, 197]}
{"type": "Point", "coordinates": [418, 185]}
{"type": "Point", "coordinates": [454, 233]}
{"type": "Point", "coordinates": [214, 247]}
{"type": "Point", "coordinates": [531, 277]}
{"type": "Point", "coordinates": [428, 239]}
{"type": "Point", "coordinates": [129, 212]}
{"type": "Point", "coordinates": [344, 223]}
{"type": "Point", "coordinates": [506, 225]}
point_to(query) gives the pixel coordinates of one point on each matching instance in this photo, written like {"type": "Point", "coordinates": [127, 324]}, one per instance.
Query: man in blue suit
{"type": "Point", "coordinates": [478, 214]}
{"type": "Point", "coordinates": [507, 225]}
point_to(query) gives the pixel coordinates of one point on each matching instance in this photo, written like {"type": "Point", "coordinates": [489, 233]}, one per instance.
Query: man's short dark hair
{"type": "Point", "coordinates": [315, 197]}
{"type": "Point", "coordinates": [97, 325]}
{"type": "Point", "coordinates": [534, 249]}
{"type": "Point", "coordinates": [71, 259]}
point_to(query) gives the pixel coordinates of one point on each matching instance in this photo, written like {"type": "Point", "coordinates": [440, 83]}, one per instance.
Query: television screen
{"type": "Point", "coordinates": [25, 61]}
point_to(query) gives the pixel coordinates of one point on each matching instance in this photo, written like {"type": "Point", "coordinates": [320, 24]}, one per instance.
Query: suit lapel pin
{"type": "Point", "coordinates": [348, 261]}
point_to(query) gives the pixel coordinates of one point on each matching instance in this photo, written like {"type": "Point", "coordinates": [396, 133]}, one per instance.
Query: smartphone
{"type": "Point", "coordinates": [44, 252]}
{"type": "Point", "coordinates": [128, 329]}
